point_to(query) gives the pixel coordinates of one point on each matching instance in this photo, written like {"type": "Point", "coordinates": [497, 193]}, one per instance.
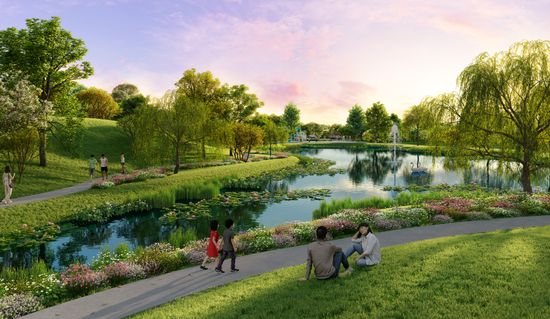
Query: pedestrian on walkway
{"type": "Point", "coordinates": [92, 163]}
{"type": "Point", "coordinates": [213, 244]}
{"type": "Point", "coordinates": [229, 247]}
{"type": "Point", "coordinates": [365, 243]}
{"type": "Point", "coordinates": [104, 164]}
{"type": "Point", "coordinates": [325, 257]}
{"type": "Point", "coordinates": [122, 164]}
{"type": "Point", "coordinates": [7, 180]}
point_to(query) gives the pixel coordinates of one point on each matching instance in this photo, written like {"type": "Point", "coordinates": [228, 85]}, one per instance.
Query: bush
{"type": "Point", "coordinates": [337, 227]}
{"type": "Point", "coordinates": [303, 232]}
{"type": "Point", "coordinates": [477, 216]}
{"type": "Point", "coordinates": [107, 212]}
{"type": "Point", "coordinates": [158, 258]}
{"type": "Point", "coordinates": [256, 240]}
{"type": "Point", "coordinates": [388, 224]}
{"type": "Point", "coordinates": [195, 251]}
{"type": "Point", "coordinates": [357, 216]}
{"type": "Point", "coordinates": [106, 256]}
{"type": "Point", "coordinates": [413, 216]}
{"type": "Point", "coordinates": [18, 305]}
{"type": "Point", "coordinates": [80, 279]}
{"type": "Point", "coordinates": [531, 206]}
{"type": "Point", "coordinates": [178, 238]}
{"type": "Point", "coordinates": [284, 240]}
{"type": "Point", "coordinates": [441, 219]}
{"type": "Point", "coordinates": [122, 272]}
{"type": "Point", "coordinates": [498, 212]}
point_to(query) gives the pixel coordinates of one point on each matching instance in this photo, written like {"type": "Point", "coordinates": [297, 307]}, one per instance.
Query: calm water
{"type": "Point", "coordinates": [367, 172]}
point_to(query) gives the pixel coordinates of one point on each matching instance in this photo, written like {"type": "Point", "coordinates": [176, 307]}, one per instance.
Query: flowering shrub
{"type": "Point", "coordinates": [357, 216]}
{"type": "Point", "coordinates": [502, 212]}
{"type": "Point", "coordinates": [195, 251]}
{"type": "Point", "coordinates": [441, 219]}
{"type": "Point", "coordinates": [477, 216]}
{"type": "Point", "coordinates": [18, 305]}
{"type": "Point", "coordinates": [256, 240]}
{"type": "Point", "coordinates": [531, 206]}
{"type": "Point", "coordinates": [388, 224]}
{"type": "Point", "coordinates": [303, 232]}
{"type": "Point", "coordinates": [452, 206]}
{"type": "Point", "coordinates": [108, 211]}
{"type": "Point", "coordinates": [284, 240]}
{"type": "Point", "coordinates": [81, 279]}
{"type": "Point", "coordinates": [122, 272]}
{"type": "Point", "coordinates": [336, 227]}
{"type": "Point", "coordinates": [103, 185]}
{"type": "Point", "coordinates": [412, 216]}
{"type": "Point", "coordinates": [158, 258]}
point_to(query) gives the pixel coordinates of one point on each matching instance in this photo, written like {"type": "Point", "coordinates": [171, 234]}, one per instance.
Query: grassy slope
{"type": "Point", "coordinates": [57, 209]}
{"type": "Point", "coordinates": [502, 274]}
{"type": "Point", "coordinates": [100, 136]}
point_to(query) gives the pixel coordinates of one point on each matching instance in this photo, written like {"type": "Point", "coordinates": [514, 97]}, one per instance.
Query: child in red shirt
{"type": "Point", "coordinates": [213, 244]}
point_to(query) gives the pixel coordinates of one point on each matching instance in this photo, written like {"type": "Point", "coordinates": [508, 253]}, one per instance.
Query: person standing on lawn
{"type": "Point", "coordinates": [213, 244]}
{"type": "Point", "coordinates": [325, 257]}
{"type": "Point", "coordinates": [122, 163]}
{"type": "Point", "coordinates": [7, 180]}
{"type": "Point", "coordinates": [91, 166]}
{"type": "Point", "coordinates": [229, 247]}
{"type": "Point", "coordinates": [365, 243]}
{"type": "Point", "coordinates": [104, 163]}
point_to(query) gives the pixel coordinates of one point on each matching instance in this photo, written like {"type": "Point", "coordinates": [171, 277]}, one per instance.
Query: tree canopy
{"type": "Point", "coordinates": [98, 103]}
{"type": "Point", "coordinates": [124, 91]}
{"type": "Point", "coordinates": [291, 116]}
{"type": "Point", "coordinates": [378, 123]}
{"type": "Point", "coordinates": [356, 121]}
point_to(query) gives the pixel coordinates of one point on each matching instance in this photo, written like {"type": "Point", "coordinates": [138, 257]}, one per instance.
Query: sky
{"type": "Point", "coordinates": [324, 55]}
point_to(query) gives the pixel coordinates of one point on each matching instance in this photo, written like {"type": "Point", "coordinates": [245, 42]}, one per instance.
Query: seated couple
{"type": "Point", "coordinates": [326, 258]}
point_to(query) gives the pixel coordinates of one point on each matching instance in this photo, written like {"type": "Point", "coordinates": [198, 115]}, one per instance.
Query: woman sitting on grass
{"type": "Point", "coordinates": [366, 245]}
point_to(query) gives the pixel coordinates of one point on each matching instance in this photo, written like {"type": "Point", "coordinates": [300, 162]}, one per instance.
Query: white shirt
{"type": "Point", "coordinates": [103, 161]}
{"type": "Point", "coordinates": [371, 247]}
{"type": "Point", "coordinates": [122, 159]}
{"type": "Point", "coordinates": [6, 178]}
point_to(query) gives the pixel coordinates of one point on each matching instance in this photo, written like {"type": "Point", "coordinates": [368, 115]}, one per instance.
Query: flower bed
{"type": "Point", "coordinates": [135, 176]}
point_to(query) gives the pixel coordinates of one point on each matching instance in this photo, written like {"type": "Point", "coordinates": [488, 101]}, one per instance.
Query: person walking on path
{"type": "Point", "coordinates": [122, 164]}
{"type": "Point", "coordinates": [92, 163]}
{"type": "Point", "coordinates": [365, 243]}
{"type": "Point", "coordinates": [229, 248]}
{"type": "Point", "coordinates": [325, 257]}
{"type": "Point", "coordinates": [104, 163]}
{"type": "Point", "coordinates": [213, 244]}
{"type": "Point", "coordinates": [7, 180]}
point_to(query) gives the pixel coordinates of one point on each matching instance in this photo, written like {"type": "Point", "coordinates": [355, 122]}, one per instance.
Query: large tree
{"type": "Point", "coordinates": [378, 123]}
{"type": "Point", "coordinates": [416, 123]}
{"type": "Point", "coordinates": [98, 103]}
{"type": "Point", "coordinates": [355, 123]}
{"type": "Point", "coordinates": [274, 134]}
{"type": "Point", "coordinates": [49, 56]}
{"type": "Point", "coordinates": [123, 92]}
{"type": "Point", "coordinates": [503, 111]}
{"type": "Point", "coordinates": [291, 116]}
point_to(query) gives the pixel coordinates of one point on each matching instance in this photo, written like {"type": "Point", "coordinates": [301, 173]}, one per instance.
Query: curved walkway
{"type": "Point", "coordinates": [135, 297]}
{"type": "Point", "coordinates": [52, 194]}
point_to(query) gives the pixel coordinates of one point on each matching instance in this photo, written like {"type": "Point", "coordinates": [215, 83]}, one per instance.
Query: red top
{"type": "Point", "coordinates": [212, 251]}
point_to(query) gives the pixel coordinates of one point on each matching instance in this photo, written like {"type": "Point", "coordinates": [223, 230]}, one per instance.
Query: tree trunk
{"type": "Point", "coordinates": [177, 164]}
{"type": "Point", "coordinates": [269, 149]}
{"type": "Point", "coordinates": [203, 149]}
{"type": "Point", "coordinates": [231, 151]}
{"type": "Point", "coordinates": [526, 176]}
{"type": "Point", "coordinates": [487, 170]}
{"type": "Point", "coordinates": [42, 147]}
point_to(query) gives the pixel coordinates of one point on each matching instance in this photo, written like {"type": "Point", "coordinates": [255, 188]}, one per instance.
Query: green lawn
{"type": "Point", "coordinates": [504, 274]}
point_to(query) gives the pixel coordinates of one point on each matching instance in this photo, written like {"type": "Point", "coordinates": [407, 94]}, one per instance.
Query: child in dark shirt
{"type": "Point", "coordinates": [229, 247]}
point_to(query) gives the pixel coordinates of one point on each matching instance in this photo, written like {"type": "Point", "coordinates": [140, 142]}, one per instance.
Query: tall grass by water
{"type": "Point", "coordinates": [402, 199]}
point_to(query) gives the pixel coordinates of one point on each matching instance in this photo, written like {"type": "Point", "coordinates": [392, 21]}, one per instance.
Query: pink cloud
{"type": "Point", "coordinates": [280, 92]}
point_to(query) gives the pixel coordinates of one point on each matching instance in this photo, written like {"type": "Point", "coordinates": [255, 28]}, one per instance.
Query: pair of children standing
{"type": "Point", "coordinates": [225, 246]}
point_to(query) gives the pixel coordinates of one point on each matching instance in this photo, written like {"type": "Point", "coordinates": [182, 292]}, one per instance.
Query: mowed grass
{"type": "Point", "coordinates": [63, 169]}
{"type": "Point", "coordinates": [504, 274]}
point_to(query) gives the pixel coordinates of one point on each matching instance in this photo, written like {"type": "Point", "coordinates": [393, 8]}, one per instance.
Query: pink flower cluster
{"type": "Point", "coordinates": [449, 205]}
{"type": "Point", "coordinates": [80, 278]}
{"type": "Point", "coordinates": [123, 271]}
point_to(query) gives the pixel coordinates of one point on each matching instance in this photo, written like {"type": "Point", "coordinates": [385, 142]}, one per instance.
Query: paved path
{"type": "Point", "coordinates": [135, 297]}
{"type": "Point", "coordinates": [52, 194]}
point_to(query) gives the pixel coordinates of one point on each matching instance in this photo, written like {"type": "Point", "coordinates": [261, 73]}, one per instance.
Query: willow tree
{"type": "Point", "coordinates": [503, 110]}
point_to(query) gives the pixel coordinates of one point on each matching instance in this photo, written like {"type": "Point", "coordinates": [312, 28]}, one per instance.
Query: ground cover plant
{"type": "Point", "coordinates": [500, 274]}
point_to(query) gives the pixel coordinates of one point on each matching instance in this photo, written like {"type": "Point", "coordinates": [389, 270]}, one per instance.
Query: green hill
{"type": "Point", "coordinates": [63, 170]}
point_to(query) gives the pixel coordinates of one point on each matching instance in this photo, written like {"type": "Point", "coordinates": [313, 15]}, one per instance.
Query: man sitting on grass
{"type": "Point", "coordinates": [325, 257]}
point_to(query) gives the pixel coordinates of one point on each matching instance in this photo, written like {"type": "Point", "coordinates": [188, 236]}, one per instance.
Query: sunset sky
{"type": "Point", "coordinates": [324, 56]}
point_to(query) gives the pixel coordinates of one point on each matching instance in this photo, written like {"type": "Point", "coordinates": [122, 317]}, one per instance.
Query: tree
{"type": "Point", "coordinates": [21, 115]}
{"type": "Point", "coordinates": [51, 58]}
{"type": "Point", "coordinates": [313, 128]}
{"type": "Point", "coordinates": [356, 121]}
{"type": "Point", "coordinates": [123, 92]}
{"type": "Point", "coordinates": [291, 117]}
{"type": "Point", "coordinates": [503, 110]}
{"type": "Point", "coordinates": [98, 103]}
{"type": "Point", "coordinates": [274, 134]}
{"type": "Point", "coordinates": [246, 136]}
{"type": "Point", "coordinates": [416, 123]}
{"type": "Point", "coordinates": [142, 131]}
{"type": "Point", "coordinates": [242, 104]}
{"type": "Point", "coordinates": [179, 120]}
{"type": "Point", "coordinates": [206, 91]}
{"type": "Point", "coordinates": [67, 127]}
{"type": "Point", "coordinates": [378, 123]}
{"type": "Point", "coordinates": [394, 118]}
{"type": "Point", "coordinates": [130, 104]}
